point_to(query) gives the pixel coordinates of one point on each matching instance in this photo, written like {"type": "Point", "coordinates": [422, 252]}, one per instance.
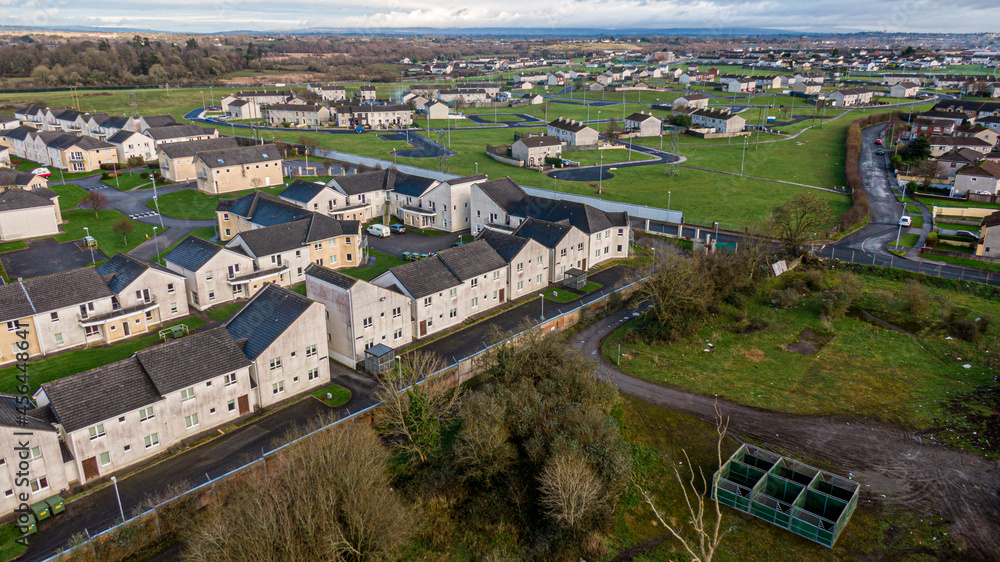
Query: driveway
{"type": "Point", "coordinates": [98, 510]}
{"type": "Point", "coordinates": [414, 242]}
{"type": "Point", "coordinates": [47, 256]}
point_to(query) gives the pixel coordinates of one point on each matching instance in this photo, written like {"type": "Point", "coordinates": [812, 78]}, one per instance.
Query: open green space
{"type": "Point", "coordinates": [383, 262]}
{"type": "Point", "coordinates": [908, 240]}
{"type": "Point", "coordinates": [9, 548]}
{"type": "Point", "coordinates": [959, 203]}
{"type": "Point", "coordinates": [338, 395]}
{"type": "Point", "coordinates": [224, 311]}
{"type": "Point", "coordinates": [607, 156]}
{"type": "Point", "coordinates": [126, 181]}
{"type": "Point", "coordinates": [957, 226]}
{"type": "Point", "coordinates": [857, 366]}
{"type": "Point", "coordinates": [80, 360]}
{"type": "Point", "coordinates": [100, 228]}
{"type": "Point", "coordinates": [560, 295]}
{"type": "Point", "coordinates": [196, 205]}
{"type": "Point", "coordinates": [70, 195]}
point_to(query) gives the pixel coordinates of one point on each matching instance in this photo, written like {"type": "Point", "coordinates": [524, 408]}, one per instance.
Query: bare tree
{"type": "Point", "coordinates": [124, 227]}
{"type": "Point", "coordinates": [613, 130]}
{"type": "Point", "coordinates": [483, 447]}
{"type": "Point", "coordinates": [570, 489]}
{"type": "Point", "coordinates": [680, 291]}
{"type": "Point", "coordinates": [413, 407]}
{"type": "Point", "coordinates": [800, 219]}
{"type": "Point", "coordinates": [95, 201]}
{"type": "Point", "coordinates": [707, 530]}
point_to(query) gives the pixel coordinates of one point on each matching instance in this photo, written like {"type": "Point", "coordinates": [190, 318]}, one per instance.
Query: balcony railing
{"type": "Point", "coordinates": [116, 313]}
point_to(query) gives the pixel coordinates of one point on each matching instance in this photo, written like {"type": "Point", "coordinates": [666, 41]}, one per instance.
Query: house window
{"type": "Point", "coordinates": [58, 338]}
{"type": "Point", "coordinates": [397, 312]}
{"type": "Point", "coordinates": [453, 313]}
{"type": "Point", "coordinates": [127, 448]}
{"type": "Point", "coordinates": [190, 421]}
{"type": "Point", "coordinates": [332, 244]}
{"type": "Point", "coordinates": [91, 331]}
{"type": "Point", "coordinates": [151, 440]}
{"type": "Point", "coordinates": [538, 278]}
{"type": "Point", "coordinates": [298, 253]}
{"type": "Point", "coordinates": [579, 247]}
{"type": "Point", "coordinates": [54, 316]}
{"type": "Point", "coordinates": [208, 275]}
{"type": "Point", "coordinates": [475, 302]}
{"type": "Point", "coordinates": [313, 374]}
{"type": "Point", "coordinates": [211, 411]}
{"type": "Point", "coordinates": [231, 405]}
{"type": "Point", "coordinates": [350, 257]}
{"type": "Point", "coordinates": [105, 459]}
{"type": "Point", "coordinates": [371, 343]}
{"type": "Point", "coordinates": [12, 325]}
{"type": "Point", "coordinates": [311, 351]}
{"type": "Point", "coordinates": [211, 295]}
{"type": "Point", "coordinates": [146, 414]}
{"type": "Point", "coordinates": [398, 333]}
{"type": "Point", "coordinates": [562, 253]}
{"type": "Point", "coordinates": [475, 283]}
{"type": "Point", "coordinates": [367, 322]}
{"type": "Point", "coordinates": [230, 379]}
{"type": "Point", "coordinates": [187, 394]}
{"type": "Point", "coordinates": [494, 295]}
{"type": "Point", "coordinates": [428, 301]}
{"type": "Point", "coordinates": [34, 454]}
{"type": "Point", "coordinates": [96, 431]}
{"type": "Point", "coordinates": [173, 308]}
{"type": "Point", "coordinates": [452, 293]}
{"type": "Point", "coordinates": [275, 363]}
{"type": "Point", "coordinates": [520, 285]}
{"type": "Point", "coordinates": [38, 484]}
{"type": "Point", "coordinates": [539, 260]}
{"type": "Point", "coordinates": [347, 241]}
{"type": "Point", "coordinates": [520, 267]}
{"type": "Point", "coordinates": [333, 260]}
{"type": "Point", "coordinates": [278, 387]}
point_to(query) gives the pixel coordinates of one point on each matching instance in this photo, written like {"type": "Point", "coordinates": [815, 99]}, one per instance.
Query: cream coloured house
{"type": "Point", "coordinates": [129, 144]}
{"type": "Point", "coordinates": [215, 275]}
{"type": "Point", "coordinates": [229, 170]}
{"type": "Point", "coordinates": [176, 159]}
{"type": "Point", "coordinates": [28, 214]}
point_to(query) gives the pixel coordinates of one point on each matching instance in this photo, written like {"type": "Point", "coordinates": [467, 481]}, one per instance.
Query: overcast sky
{"type": "Point", "coordinates": [271, 15]}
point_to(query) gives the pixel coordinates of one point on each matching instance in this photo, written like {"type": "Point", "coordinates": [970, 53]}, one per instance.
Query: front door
{"type": "Point", "coordinates": [90, 469]}
{"type": "Point", "coordinates": [244, 402]}
{"type": "Point", "coordinates": [584, 266]}
{"type": "Point", "coordinates": [126, 329]}
{"type": "Point", "coordinates": [501, 295]}
{"type": "Point", "coordinates": [423, 328]}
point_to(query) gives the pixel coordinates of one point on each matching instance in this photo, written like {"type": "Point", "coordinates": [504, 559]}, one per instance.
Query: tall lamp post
{"type": "Point", "coordinates": [155, 241]}
{"type": "Point", "coordinates": [114, 481]}
{"type": "Point", "coordinates": [668, 200]}
{"type": "Point", "coordinates": [542, 296]}
{"type": "Point", "coordinates": [92, 260]}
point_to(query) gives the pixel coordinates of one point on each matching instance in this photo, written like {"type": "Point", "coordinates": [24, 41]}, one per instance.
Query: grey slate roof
{"type": "Point", "coordinates": [296, 234]}
{"type": "Point", "coordinates": [262, 209]}
{"type": "Point", "coordinates": [502, 191]}
{"type": "Point", "coordinates": [265, 317]}
{"type": "Point", "coordinates": [466, 179]}
{"type": "Point", "coordinates": [570, 125]}
{"type": "Point", "coordinates": [20, 133]}
{"type": "Point", "coordinates": [121, 136]}
{"type": "Point", "coordinates": [548, 234]}
{"type": "Point", "coordinates": [425, 277]}
{"type": "Point", "coordinates": [159, 121]}
{"type": "Point", "coordinates": [14, 302]}
{"type": "Point", "coordinates": [239, 156]}
{"type": "Point", "coordinates": [9, 176]}
{"type": "Point", "coordinates": [192, 253]}
{"type": "Point", "coordinates": [190, 148]}
{"type": "Point", "coordinates": [124, 269]}
{"type": "Point", "coordinates": [181, 363]}
{"type": "Point", "coordinates": [50, 292]}
{"type": "Point", "coordinates": [115, 122]}
{"type": "Point", "coordinates": [17, 199]}
{"type": "Point", "coordinates": [302, 191]}
{"type": "Point", "coordinates": [506, 245]}
{"type": "Point", "coordinates": [9, 415]}
{"type": "Point", "coordinates": [86, 143]}
{"type": "Point", "coordinates": [471, 260]}
{"type": "Point", "coordinates": [534, 142]}
{"type": "Point", "coordinates": [365, 182]}
{"type": "Point", "coordinates": [330, 276]}
{"type": "Point", "coordinates": [178, 131]}
{"type": "Point", "coordinates": [82, 400]}
{"type": "Point", "coordinates": [413, 186]}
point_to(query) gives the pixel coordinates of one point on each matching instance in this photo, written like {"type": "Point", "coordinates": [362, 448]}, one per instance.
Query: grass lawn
{"type": "Point", "coordinates": [12, 246]}
{"type": "Point", "coordinates": [985, 266]}
{"type": "Point", "coordinates": [960, 203]}
{"type": "Point", "coordinates": [340, 395]}
{"type": "Point", "coordinates": [383, 262]}
{"type": "Point", "coordinates": [590, 287]}
{"type": "Point", "coordinates": [10, 549]}
{"type": "Point", "coordinates": [224, 311]}
{"type": "Point", "coordinates": [913, 209]}
{"type": "Point", "coordinates": [908, 240]}
{"type": "Point", "coordinates": [193, 204]}
{"type": "Point", "coordinates": [917, 221]}
{"type": "Point", "coordinates": [80, 360]}
{"type": "Point", "coordinates": [300, 289]}
{"type": "Point", "coordinates": [611, 156]}
{"type": "Point", "coordinates": [864, 370]}
{"type": "Point", "coordinates": [126, 181]}
{"type": "Point", "coordinates": [100, 228]}
{"type": "Point", "coordinates": [560, 295]}
{"type": "Point", "coordinates": [957, 226]}
{"type": "Point", "coordinates": [70, 195]}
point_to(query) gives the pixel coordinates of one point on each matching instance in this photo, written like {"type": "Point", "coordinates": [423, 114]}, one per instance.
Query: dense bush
{"type": "Point", "coordinates": [785, 298]}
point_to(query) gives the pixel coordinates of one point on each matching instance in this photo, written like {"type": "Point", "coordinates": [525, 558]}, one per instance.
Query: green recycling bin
{"type": "Point", "coordinates": [41, 511]}
{"type": "Point", "coordinates": [56, 504]}
{"type": "Point", "coordinates": [31, 526]}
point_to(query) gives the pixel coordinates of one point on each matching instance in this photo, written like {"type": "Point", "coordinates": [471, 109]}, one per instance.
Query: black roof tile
{"type": "Point", "coordinates": [101, 394]}
{"type": "Point", "coordinates": [181, 363]}
{"type": "Point", "coordinates": [265, 317]}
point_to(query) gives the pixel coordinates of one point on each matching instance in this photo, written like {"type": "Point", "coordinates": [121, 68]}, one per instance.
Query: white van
{"type": "Point", "coordinates": [905, 221]}
{"type": "Point", "coordinates": [380, 230]}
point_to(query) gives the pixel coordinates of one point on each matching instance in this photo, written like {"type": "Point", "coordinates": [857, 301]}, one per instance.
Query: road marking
{"type": "Point", "coordinates": [144, 215]}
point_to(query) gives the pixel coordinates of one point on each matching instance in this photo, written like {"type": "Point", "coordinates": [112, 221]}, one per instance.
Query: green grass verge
{"type": "Point", "coordinates": [80, 360]}
{"type": "Point", "coordinates": [560, 295]}
{"type": "Point", "coordinates": [959, 203]}
{"type": "Point", "coordinates": [300, 289]}
{"type": "Point", "coordinates": [383, 262]}
{"type": "Point", "coordinates": [864, 370]}
{"type": "Point", "coordinates": [9, 549]}
{"type": "Point", "coordinates": [12, 246]}
{"type": "Point", "coordinates": [957, 226]}
{"type": "Point", "coordinates": [100, 228]}
{"type": "Point", "coordinates": [913, 209]}
{"type": "Point", "coordinates": [611, 156]}
{"type": "Point", "coordinates": [340, 395]}
{"type": "Point", "coordinates": [195, 205]}
{"type": "Point", "coordinates": [908, 240]}
{"type": "Point", "coordinates": [590, 287]}
{"type": "Point", "coordinates": [70, 195]}
{"type": "Point", "coordinates": [224, 311]}
{"type": "Point", "coordinates": [126, 181]}
{"type": "Point", "coordinates": [985, 266]}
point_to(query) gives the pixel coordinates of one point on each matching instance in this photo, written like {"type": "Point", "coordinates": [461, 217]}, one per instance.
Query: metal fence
{"type": "Point", "coordinates": [938, 269]}
{"type": "Point", "coordinates": [238, 466]}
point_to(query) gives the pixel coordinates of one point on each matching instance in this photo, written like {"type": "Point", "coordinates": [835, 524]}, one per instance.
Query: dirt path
{"type": "Point", "coordinates": [893, 466]}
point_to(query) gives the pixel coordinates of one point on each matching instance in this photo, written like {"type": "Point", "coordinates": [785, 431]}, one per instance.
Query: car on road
{"type": "Point", "coordinates": [397, 228]}
{"type": "Point", "coordinates": [967, 234]}
{"type": "Point", "coordinates": [380, 230]}
{"type": "Point", "coordinates": [878, 141]}
{"type": "Point", "coordinates": [880, 152]}
{"type": "Point", "coordinates": [42, 172]}
{"type": "Point", "coordinates": [905, 221]}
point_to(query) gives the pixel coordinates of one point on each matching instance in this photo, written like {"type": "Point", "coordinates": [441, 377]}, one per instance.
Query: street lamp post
{"type": "Point", "coordinates": [114, 481]}
{"type": "Point", "coordinates": [477, 168]}
{"type": "Point", "coordinates": [92, 260]}
{"type": "Point", "coordinates": [899, 231]}
{"type": "Point", "coordinates": [156, 203]}
{"type": "Point", "coordinates": [542, 296]}
{"type": "Point", "coordinates": [155, 241]}
{"type": "Point", "coordinates": [668, 200]}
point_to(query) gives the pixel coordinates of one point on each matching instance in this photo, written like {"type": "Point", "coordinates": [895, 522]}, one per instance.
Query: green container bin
{"type": "Point", "coordinates": [31, 526]}
{"type": "Point", "coordinates": [56, 504]}
{"type": "Point", "coordinates": [41, 511]}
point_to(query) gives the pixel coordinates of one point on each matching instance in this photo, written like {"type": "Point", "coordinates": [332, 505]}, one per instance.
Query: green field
{"type": "Point", "coordinates": [864, 369]}
{"type": "Point", "coordinates": [70, 195]}
{"type": "Point", "coordinates": [126, 181]}
{"type": "Point", "coordinates": [224, 311]}
{"type": "Point", "coordinates": [383, 262]}
{"type": "Point", "coordinates": [607, 156]}
{"type": "Point", "coordinates": [100, 228]}
{"type": "Point", "coordinates": [195, 205]}
{"type": "Point", "coordinates": [340, 395]}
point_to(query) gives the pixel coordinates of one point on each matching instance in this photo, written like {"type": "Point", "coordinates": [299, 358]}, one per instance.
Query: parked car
{"type": "Point", "coordinates": [397, 228]}
{"type": "Point", "coordinates": [905, 221]}
{"type": "Point", "coordinates": [42, 172]}
{"type": "Point", "coordinates": [967, 234]}
{"type": "Point", "coordinates": [878, 141]}
{"type": "Point", "coordinates": [880, 152]}
{"type": "Point", "coordinates": [380, 230]}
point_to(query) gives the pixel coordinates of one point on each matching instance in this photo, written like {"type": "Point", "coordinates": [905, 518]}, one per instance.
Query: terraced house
{"type": "Point", "coordinates": [256, 210]}
{"type": "Point", "coordinates": [176, 159]}
{"type": "Point", "coordinates": [214, 275]}
{"type": "Point", "coordinates": [179, 133]}
{"type": "Point", "coordinates": [49, 459]}
{"type": "Point", "coordinates": [295, 115]}
{"type": "Point", "coordinates": [238, 169]}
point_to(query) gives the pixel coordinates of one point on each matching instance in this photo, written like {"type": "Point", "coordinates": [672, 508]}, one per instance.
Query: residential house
{"type": "Point", "coordinates": [373, 116]}
{"type": "Point", "coordinates": [7, 123]}
{"type": "Point", "coordinates": [691, 101]}
{"type": "Point", "coordinates": [806, 88]}
{"type": "Point", "coordinates": [983, 177]}
{"type": "Point", "coordinates": [16, 140]}
{"type": "Point", "coordinates": [129, 144]}
{"type": "Point", "coordinates": [130, 411]}
{"type": "Point", "coordinates": [717, 121]}
{"type": "Point", "coordinates": [528, 261]}
{"type": "Point", "coordinates": [112, 125]}
{"type": "Point", "coordinates": [228, 170]}
{"type": "Point", "coordinates": [643, 125]}
{"type": "Point", "coordinates": [10, 177]}
{"type": "Point", "coordinates": [450, 286]}
{"type": "Point", "coordinates": [285, 337]}
{"type": "Point", "coordinates": [904, 90]}
{"type": "Point", "coordinates": [768, 83]}
{"type": "Point", "coordinates": [359, 314]}
{"type": "Point", "coordinates": [362, 197]}
{"type": "Point", "coordinates": [463, 96]}
{"type": "Point", "coordinates": [534, 150]}
{"type": "Point", "coordinates": [143, 123]}
{"type": "Point", "coordinates": [331, 93]}
{"type": "Point", "coordinates": [978, 131]}
{"type": "Point", "coordinates": [139, 287]}
{"type": "Point", "coordinates": [573, 132]}
{"type": "Point", "coordinates": [989, 236]}
{"type": "Point", "coordinates": [426, 203]}
{"type": "Point", "coordinates": [990, 122]}
{"type": "Point", "coordinates": [847, 98]}
{"type": "Point", "coordinates": [297, 115]}
{"type": "Point", "coordinates": [255, 210]}
{"type": "Point", "coordinates": [367, 93]}
{"type": "Point", "coordinates": [27, 214]}
{"type": "Point", "coordinates": [944, 145]}
{"type": "Point", "coordinates": [566, 247]}
{"type": "Point", "coordinates": [437, 110]}
{"type": "Point", "coordinates": [237, 108]}
{"type": "Point", "coordinates": [215, 275]}
{"type": "Point", "coordinates": [45, 455]}
{"type": "Point", "coordinates": [180, 133]}
{"type": "Point", "coordinates": [287, 249]}
{"type": "Point", "coordinates": [972, 108]}
{"type": "Point", "coordinates": [533, 99]}
{"type": "Point", "coordinates": [176, 159]}
{"type": "Point", "coordinates": [4, 157]}
{"type": "Point", "coordinates": [72, 153]}
{"type": "Point", "coordinates": [260, 98]}
{"type": "Point", "coordinates": [931, 127]}
{"type": "Point", "coordinates": [950, 163]}
{"type": "Point", "coordinates": [736, 84]}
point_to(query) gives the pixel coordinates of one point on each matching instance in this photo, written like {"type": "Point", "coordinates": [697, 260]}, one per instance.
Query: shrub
{"type": "Point", "coordinates": [105, 176]}
{"type": "Point", "coordinates": [932, 240]}
{"type": "Point", "coordinates": [815, 280]}
{"type": "Point", "coordinates": [836, 304]}
{"type": "Point", "coordinates": [785, 298]}
{"type": "Point", "coordinates": [965, 329]}
{"type": "Point", "coordinates": [144, 175]}
{"type": "Point", "coordinates": [918, 298]}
